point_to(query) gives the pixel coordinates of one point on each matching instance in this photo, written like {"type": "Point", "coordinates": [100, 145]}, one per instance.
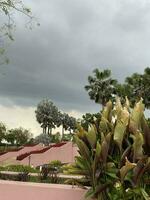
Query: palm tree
{"type": "Point", "coordinates": [47, 115]}
{"type": "Point", "coordinates": [101, 86]}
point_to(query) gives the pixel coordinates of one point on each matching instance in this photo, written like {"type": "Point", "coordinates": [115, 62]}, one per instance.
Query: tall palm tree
{"type": "Point", "coordinates": [101, 86]}
{"type": "Point", "coordinates": [47, 115]}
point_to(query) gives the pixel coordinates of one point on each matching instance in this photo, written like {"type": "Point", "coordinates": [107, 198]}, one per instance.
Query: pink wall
{"type": "Point", "coordinates": [9, 155]}
{"type": "Point", "coordinates": [64, 153]}
{"type": "Point", "coordinates": [10, 190]}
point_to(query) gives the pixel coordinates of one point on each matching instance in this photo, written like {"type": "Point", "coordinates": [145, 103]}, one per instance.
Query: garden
{"type": "Point", "coordinates": [113, 161]}
{"type": "Point", "coordinates": [108, 152]}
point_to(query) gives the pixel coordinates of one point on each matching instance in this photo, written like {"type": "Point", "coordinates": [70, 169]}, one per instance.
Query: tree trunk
{"type": "Point", "coordinates": [103, 103]}
{"type": "Point", "coordinates": [62, 133]}
{"type": "Point", "coordinates": [50, 131]}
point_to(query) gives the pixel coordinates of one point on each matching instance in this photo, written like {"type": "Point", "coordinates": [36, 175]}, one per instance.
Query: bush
{"type": "Point", "coordinates": [114, 157]}
{"type": "Point", "coordinates": [2, 168]}
{"type": "Point", "coordinates": [20, 168]}
{"type": "Point", "coordinates": [55, 163]}
{"type": "Point", "coordinates": [50, 171]}
{"type": "Point", "coordinates": [23, 176]}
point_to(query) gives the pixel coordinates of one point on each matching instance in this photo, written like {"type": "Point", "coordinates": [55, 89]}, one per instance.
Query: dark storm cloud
{"type": "Point", "coordinates": [75, 36]}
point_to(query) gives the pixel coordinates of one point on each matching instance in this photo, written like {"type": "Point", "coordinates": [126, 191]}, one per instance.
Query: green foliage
{"type": "Point", "coordinates": [50, 171]}
{"type": "Point", "coordinates": [67, 122]}
{"type": "Point", "coordinates": [18, 136]}
{"type": "Point", "coordinates": [2, 132]}
{"type": "Point", "coordinates": [114, 158]}
{"type": "Point", "coordinates": [7, 8]}
{"type": "Point", "coordinates": [139, 86]}
{"type": "Point", "coordinates": [89, 118]}
{"type": "Point", "coordinates": [18, 168]}
{"type": "Point", "coordinates": [43, 138]}
{"type": "Point", "coordinates": [55, 163]}
{"type": "Point", "coordinates": [101, 86]}
{"type": "Point", "coordinates": [67, 137]}
{"type": "Point", "coordinates": [47, 115]}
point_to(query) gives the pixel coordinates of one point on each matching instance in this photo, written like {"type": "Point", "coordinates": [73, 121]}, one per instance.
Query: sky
{"type": "Point", "coordinates": [53, 60]}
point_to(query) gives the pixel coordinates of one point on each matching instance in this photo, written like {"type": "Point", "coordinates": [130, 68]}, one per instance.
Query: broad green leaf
{"type": "Point", "coordinates": [146, 131]}
{"type": "Point", "coordinates": [139, 170]}
{"type": "Point", "coordinates": [98, 149]}
{"type": "Point", "coordinates": [96, 159]}
{"type": "Point", "coordinates": [105, 147]}
{"type": "Point", "coordinates": [84, 151]}
{"type": "Point", "coordinates": [145, 195]}
{"type": "Point", "coordinates": [122, 122]}
{"type": "Point", "coordinates": [107, 110]}
{"type": "Point", "coordinates": [138, 145]}
{"type": "Point", "coordinates": [126, 168]}
{"type": "Point", "coordinates": [91, 136]}
{"type": "Point", "coordinates": [136, 116]}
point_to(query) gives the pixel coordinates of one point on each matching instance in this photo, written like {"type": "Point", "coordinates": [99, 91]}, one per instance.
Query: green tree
{"type": "Point", "coordinates": [101, 86]}
{"type": "Point", "coordinates": [89, 118]}
{"type": "Point", "coordinates": [2, 132]}
{"type": "Point", "coordinates": [72, 124]}
{"type": "Point", "coordinates": [56, 138]}
{"type": "Point", "coordinates": [64, 122]}
{"type": "Point", "coordinates": [7, 10]}
{"type": "Point", "coordinates": [43, 138]}
{"type": "Point", "coordinates": [19, 136]}
{"type": "Point", "coordinates": [67, 122]}
{"type": "Point", "coordinates": [47, 115]}
{"type": "Point", "coordinates": [139, 87]}
{"type": "Point", "coordinates": [10, 137]}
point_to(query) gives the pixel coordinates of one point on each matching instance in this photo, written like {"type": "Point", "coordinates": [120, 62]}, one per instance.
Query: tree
{"type": "Point", "coordinates": [7, 8]}
{"type": "Point", "coordinates": [47, 115]}
{"type": "Point", "coordinates": [18, 136]}
{"type": "Point", "coordinates": [67, 122]}
{"type": "Point", "coordinates": [43, 138]}
{"type": "Point", "coordinates": [2, 132]}
{"type": "Point", "coordinates": [123, 91]}
{"type": "Point", "coordinates": [89, 118]}
{"type": "Point", "coordinates": [64, 122]}
{"type": "Point", "coordinates": [101, 86]}
{"type": "Point", "coordinates": [10, 137]}
{"type": "Point", "coordinates": [56, 138]}
{"type": "Point", "coordinates": [139, 86]}
{"type": "Point", "coordinates": [72, 124]}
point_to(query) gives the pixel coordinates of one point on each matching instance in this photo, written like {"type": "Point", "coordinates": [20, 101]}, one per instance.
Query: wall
{"type": "Point", "coordinates": [10, 155]}
{"type": "Point", "coordinates": [65, 154]}
{"type": "Point", "coordinates": [11, 190]}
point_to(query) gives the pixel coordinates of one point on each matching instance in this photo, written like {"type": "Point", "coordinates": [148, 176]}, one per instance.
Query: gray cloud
{"type": "Point", "coordinates": [75, 36]}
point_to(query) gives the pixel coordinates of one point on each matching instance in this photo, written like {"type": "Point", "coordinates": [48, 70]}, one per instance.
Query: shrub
{"type": "Point", "coordinates": [23, 176]}
{"type": "Point", "coordinates": [20, 168]}
{"type": "Point", "coordinates": [55, 163]}
{"type": "Point", "coordinates": [114, 157]}
{"type": "Point", "coordinates": [50, 171]}
{"type": "Point", "coordinates": [2, 168]}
